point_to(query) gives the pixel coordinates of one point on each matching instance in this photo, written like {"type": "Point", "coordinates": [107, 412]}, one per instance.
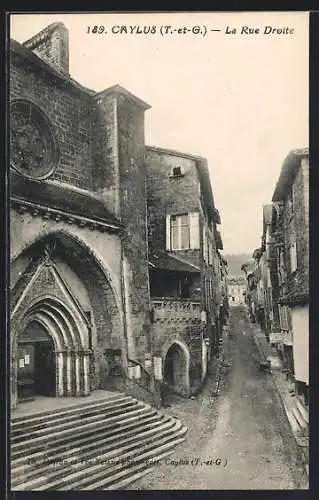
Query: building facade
{"type": "Point", "coordinates": [249, 268]}
{"type": "Point", "coordinates": [185, 268]}
{"type": "Point", "coordinates": [87, 221]}
{"type": "Point", "coordinates": [291, 241]}
{"type": "Point", "coordinates": [278, 273]}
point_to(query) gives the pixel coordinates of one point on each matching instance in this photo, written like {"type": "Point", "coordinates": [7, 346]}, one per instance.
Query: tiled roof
{"type": "Point", "coordinates": [172, 263]}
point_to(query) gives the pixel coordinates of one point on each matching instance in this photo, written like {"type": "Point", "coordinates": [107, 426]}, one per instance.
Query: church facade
{"type": "Point", "coordinates": [81, 308]}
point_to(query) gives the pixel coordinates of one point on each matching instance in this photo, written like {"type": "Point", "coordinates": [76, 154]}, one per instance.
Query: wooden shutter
{"type": "Point", "coordinates": [194, 230]}
{"type": "Point", "coordinates": [204, 244]}
{"type": "Point", "coordinates": [168, 232]}
{"type": "Point", "coordinates": [293, 257]}
{"type": "Point", "coordinates": [210, 251]}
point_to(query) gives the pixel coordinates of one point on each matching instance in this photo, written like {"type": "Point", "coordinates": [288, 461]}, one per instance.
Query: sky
{"type": "Point", "coordinates": [239, 99]}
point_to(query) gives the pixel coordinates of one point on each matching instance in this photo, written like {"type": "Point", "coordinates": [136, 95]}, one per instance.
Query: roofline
{"type": "Point", "coordinates": [202, 164]}
{"type": "Point", "coordinates": [185, 262]}
{"type": "Point", "coordinates": [29, 55]}
{"type": "Point", "coordinates": [175, 153]}
{"type": "Point", "coordinates": [290, 162]}
{"type": "Point", "coordinates": [121, 90]}
{"type": "Point", "coordinates": [43, 35]}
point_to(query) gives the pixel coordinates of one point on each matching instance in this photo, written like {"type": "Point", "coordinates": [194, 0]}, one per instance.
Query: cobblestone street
{"type": "Point", "coordinates": [238, 439]}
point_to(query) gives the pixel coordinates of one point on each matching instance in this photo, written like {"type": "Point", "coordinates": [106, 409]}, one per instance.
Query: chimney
{"type": "Point", "coordinates": [52, 45]}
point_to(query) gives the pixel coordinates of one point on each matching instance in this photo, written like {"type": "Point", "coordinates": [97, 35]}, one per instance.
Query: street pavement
{"type": "Point", "coordinates": [239, 438]}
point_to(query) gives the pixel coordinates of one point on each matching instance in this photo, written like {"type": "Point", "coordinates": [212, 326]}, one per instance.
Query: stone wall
{"type": "Point", "coordinates": [296, 222]}
{"type": "Point", "coordinates": [169, 195]}
{"type": "Point", "coordinates": [95, 259]}
{"type": "Point", "coordinates": [69, 112]}
{"type": "Point", "coordinates": [52, 45]}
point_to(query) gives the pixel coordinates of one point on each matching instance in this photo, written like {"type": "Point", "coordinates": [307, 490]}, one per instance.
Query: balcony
{"type": "Point", "coordinates": [176, 310]}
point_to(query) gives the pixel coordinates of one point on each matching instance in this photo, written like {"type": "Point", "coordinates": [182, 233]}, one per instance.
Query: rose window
{"type": "Point", "coordinates": [33, 151]}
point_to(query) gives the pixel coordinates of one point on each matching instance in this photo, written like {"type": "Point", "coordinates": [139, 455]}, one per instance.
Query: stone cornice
{"type": "Point", "coordinates": [59, 215]}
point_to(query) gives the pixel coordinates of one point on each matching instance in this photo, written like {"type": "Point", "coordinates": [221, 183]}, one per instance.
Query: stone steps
{"type": "Point", "coordinates": [84, 451]}
{"type": "Point", "coordinates": [126, 425]}
{"type": "Point", "coordinates": [303, 411]}
{"type": "Point", "coordinates": [53, 435]}
{"type": "Point", "coordinates": [44, 417]}
{"type": "Point", "coordinates": [303, 424]}
{"type": "Point", "coordinates": [74, 449]}
{"type": "Point", "coordinates": [32, 431]}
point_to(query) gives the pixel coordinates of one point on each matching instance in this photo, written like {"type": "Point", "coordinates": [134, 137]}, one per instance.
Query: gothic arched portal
{"type": "Point", "coordinates": [48, 316]}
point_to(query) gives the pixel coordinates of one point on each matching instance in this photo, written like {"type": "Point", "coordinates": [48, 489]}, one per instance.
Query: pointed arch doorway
{"type": "Point", "coordinates": [176, 368]}
{"type": "Point", "coordinates": [52, 355]}
{"type": "Point", "coordinates": [60, 284]}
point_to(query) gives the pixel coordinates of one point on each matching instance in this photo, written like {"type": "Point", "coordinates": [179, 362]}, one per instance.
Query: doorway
{"type": "Point", "coordinates": [36, 363]}
{"type": "Point", "coordinates": [44, 368]}
{"type": "Point", "coordinates": [176, 368]}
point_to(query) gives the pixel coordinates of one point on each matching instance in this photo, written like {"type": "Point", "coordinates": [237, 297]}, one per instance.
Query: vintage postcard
{"type": "Point", "coordinates": [159, 178]}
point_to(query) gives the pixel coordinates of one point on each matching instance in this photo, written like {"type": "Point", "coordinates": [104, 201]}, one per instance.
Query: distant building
{"type": "Point", "coordinates": [236, 290]}
{"type": "Point", "coordinates": [249, 268]}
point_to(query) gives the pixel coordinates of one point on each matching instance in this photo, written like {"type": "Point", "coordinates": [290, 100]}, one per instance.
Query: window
{"type": "Point", "coordinates": [182, 231]}
{"type": "Point", "coordinates": [216, 266]}
{"type": "Point", "coordinates": [210, 252]}
{"type": "Point", "coordinates": [290, 201]}
{"type": "Point", "coordinates": [33, 150]}
{"type": "Point", "coordinates": [177, 172]}
{"type": "Point", "coordinates": [283, 314]}
{"type": "Point", "coordinates": [293, 257]}
{"type": "Point", "coordinates": [281, 266]}
{"type": "Point", "coordinates": [205, 245]}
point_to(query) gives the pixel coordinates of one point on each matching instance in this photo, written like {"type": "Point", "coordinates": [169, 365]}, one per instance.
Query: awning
{"type": "Point", "coordinates": [169, 262]}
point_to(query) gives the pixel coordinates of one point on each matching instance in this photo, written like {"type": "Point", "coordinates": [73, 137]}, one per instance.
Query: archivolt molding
{"type": "Point", "coordinates": [82, 243]}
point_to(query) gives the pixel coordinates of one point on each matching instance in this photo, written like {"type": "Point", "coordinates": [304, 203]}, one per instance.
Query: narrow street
{"type": "Point", "coordinates": [238, 439]}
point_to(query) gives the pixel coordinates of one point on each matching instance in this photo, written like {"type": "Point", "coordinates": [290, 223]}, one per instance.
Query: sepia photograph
{"type": "Point", "coordinates": [158, 171]}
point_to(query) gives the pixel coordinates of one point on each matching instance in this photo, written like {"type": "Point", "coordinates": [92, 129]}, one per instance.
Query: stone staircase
{"type": "Point", "coordinates": [101, 445]}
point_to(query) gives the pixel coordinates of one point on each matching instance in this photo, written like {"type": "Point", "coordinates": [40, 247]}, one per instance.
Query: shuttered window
{"type": "Point", "coordinates": [204, 244]}
{"type": "Point", "coordinates": [293, 257]}
{"type": "Point", "coordinates": [194, 230]}
{"type": "Point", "coordinates": [210, 252]}
{"type": "Point", "coordinates": [182, 231]}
